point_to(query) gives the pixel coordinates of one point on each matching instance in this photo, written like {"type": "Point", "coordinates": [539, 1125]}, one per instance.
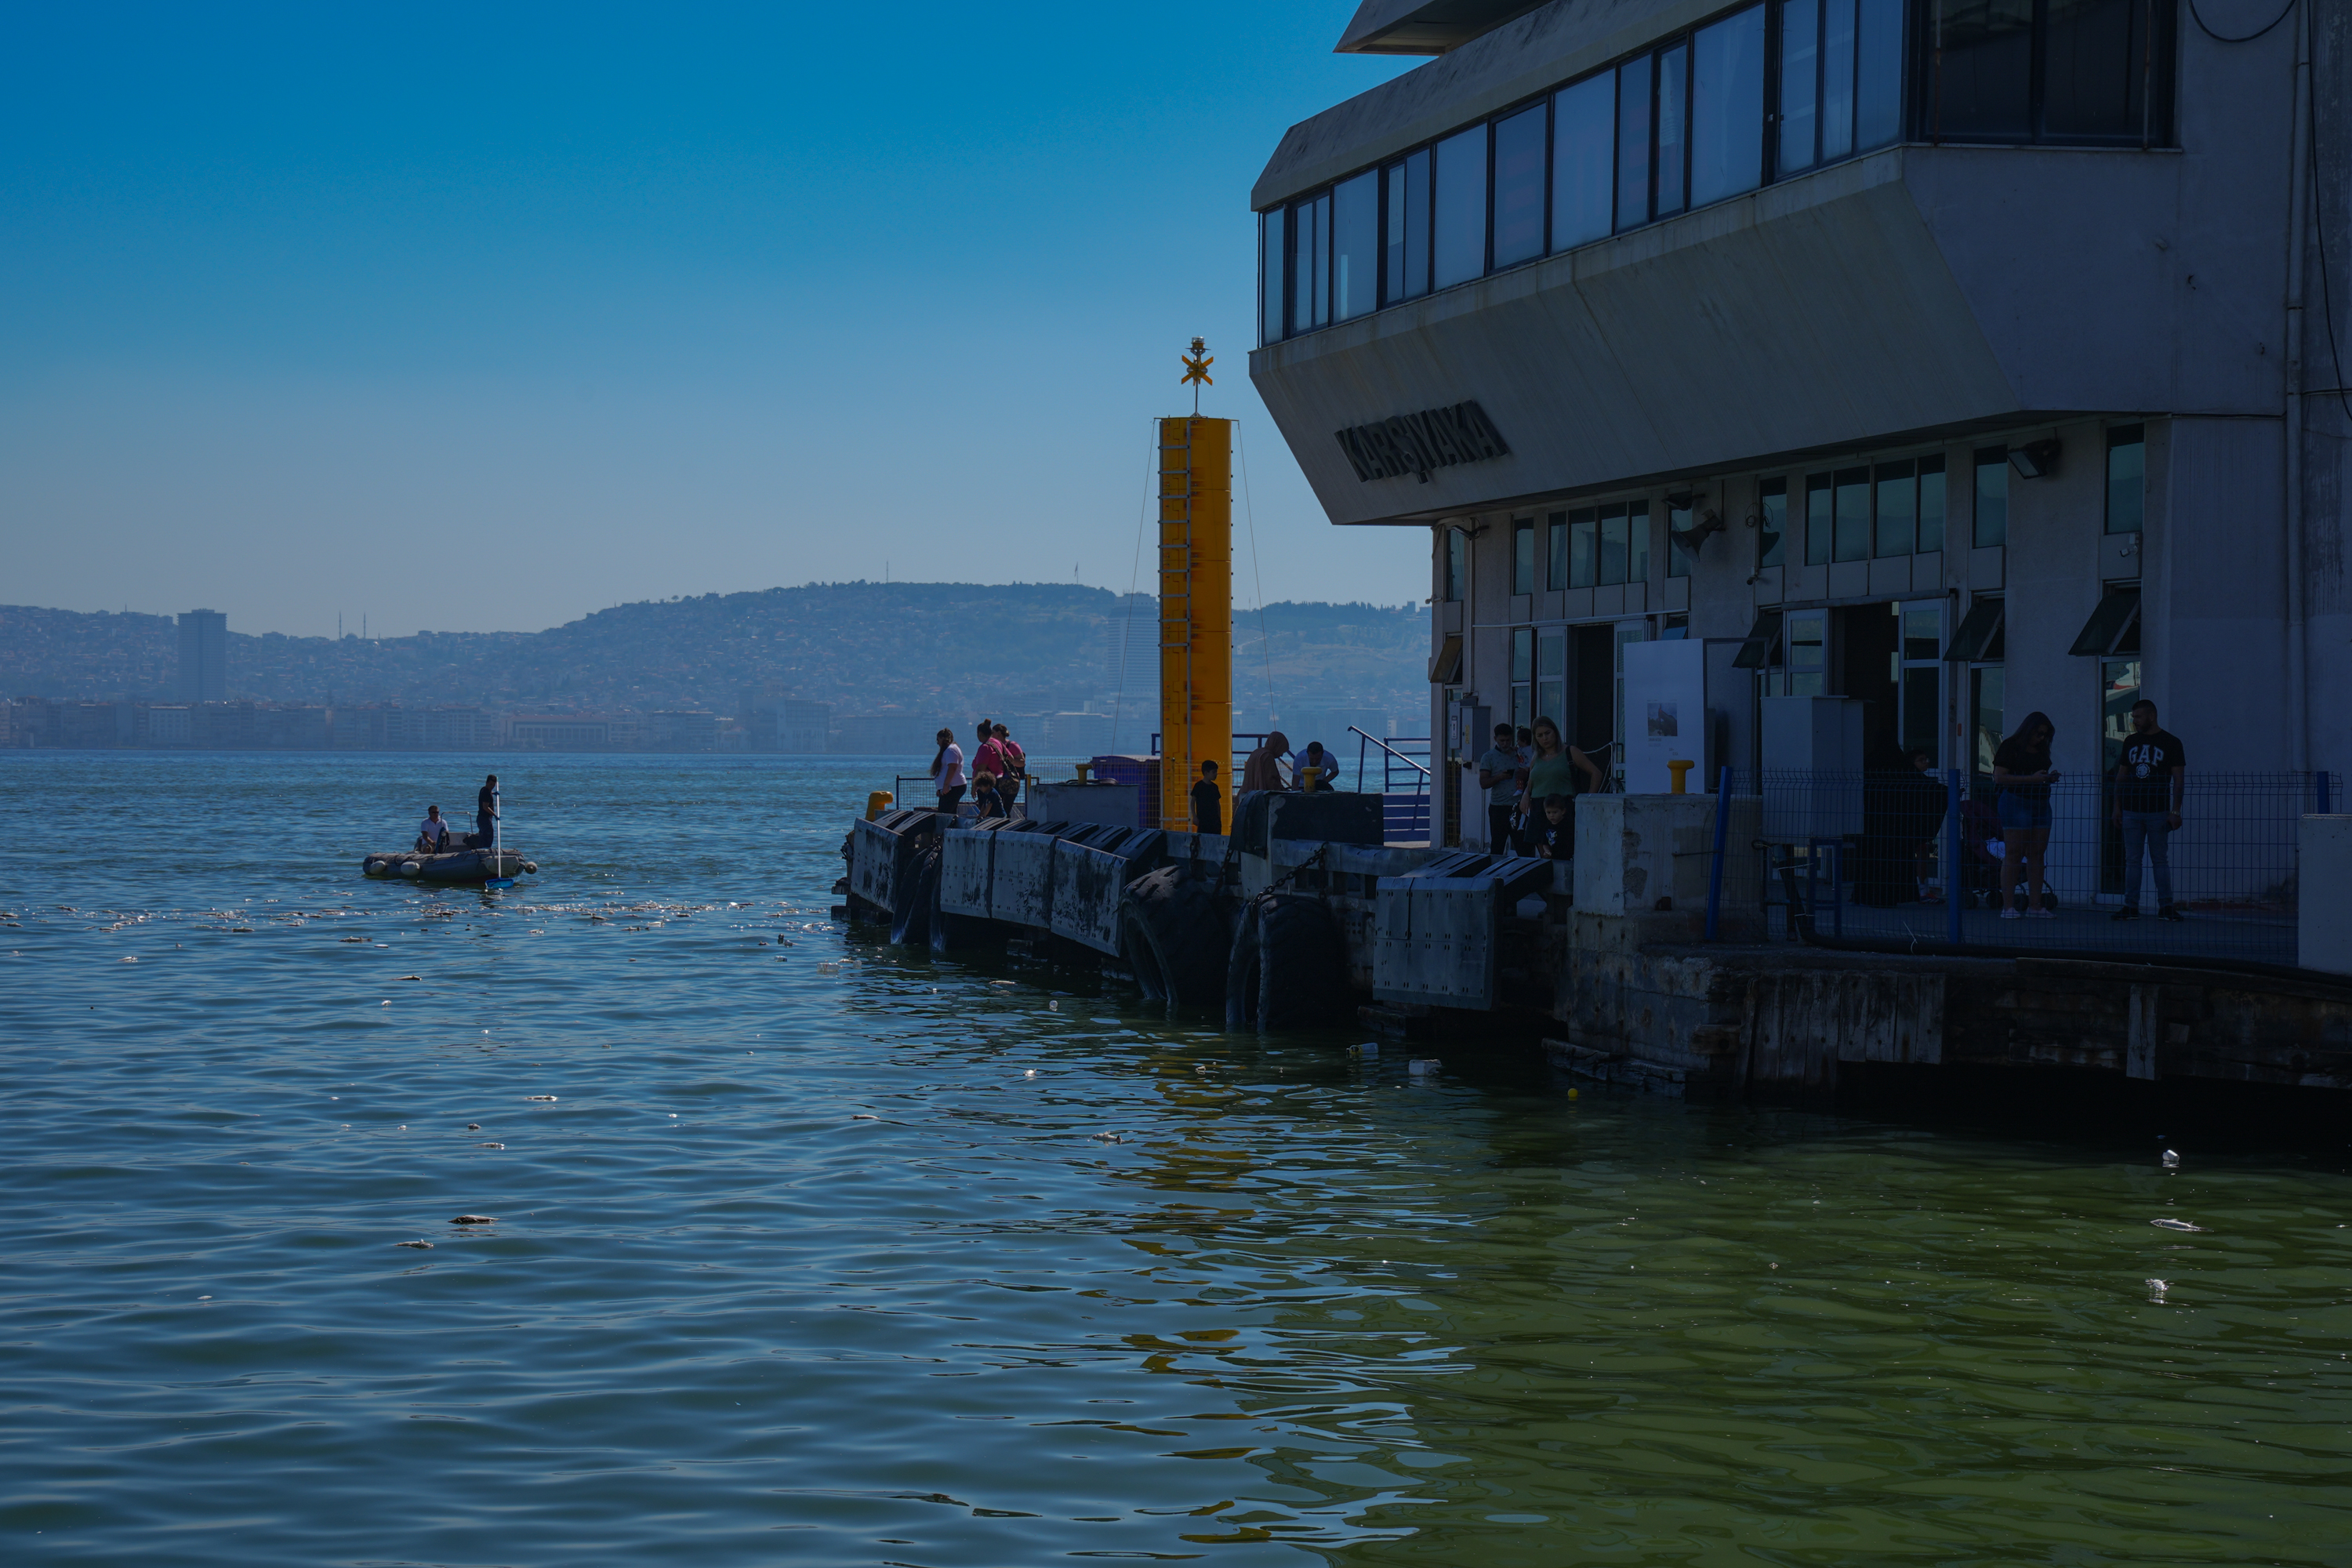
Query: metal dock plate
{"type": "Point", "coordinates": [883, 853]}
{"type": "Point", "coordinates": [964, 856]}
{"type": "Point", "coordinates": [1091, 870]}
{"type": "Point", "coordinates": [1437, 929]}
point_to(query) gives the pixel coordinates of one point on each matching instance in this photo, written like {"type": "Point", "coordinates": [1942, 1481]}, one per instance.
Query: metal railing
{"type": "Point", "coordinates": [1404, 814]}
{"type": "Point", "coordinates": [1945, 860]}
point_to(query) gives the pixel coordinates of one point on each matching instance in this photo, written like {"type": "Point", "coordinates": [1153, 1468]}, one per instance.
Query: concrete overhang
{"type": "Point", "coordinates": [1424, 26]}
{"type": "Point", "coordinates": [1911, 291]}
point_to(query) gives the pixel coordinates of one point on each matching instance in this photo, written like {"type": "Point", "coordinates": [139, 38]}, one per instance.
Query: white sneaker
{"type": "Point", "coordinates": [2011, 915]}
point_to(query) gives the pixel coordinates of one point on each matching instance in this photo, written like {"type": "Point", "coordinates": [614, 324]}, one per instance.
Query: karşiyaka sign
{"type": "Point", "coordinates": [1416, 443]}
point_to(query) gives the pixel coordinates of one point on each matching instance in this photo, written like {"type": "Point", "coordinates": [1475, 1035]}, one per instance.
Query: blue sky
{"type": "Point", "coordinates": [467, 319]}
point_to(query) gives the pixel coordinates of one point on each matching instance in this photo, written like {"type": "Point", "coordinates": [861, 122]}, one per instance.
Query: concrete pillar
{"type": "Point", "coordinates": [1647, 858]}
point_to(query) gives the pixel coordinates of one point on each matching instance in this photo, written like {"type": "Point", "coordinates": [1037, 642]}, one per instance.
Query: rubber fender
{"type": "Point", "coordinates": [411, 868]}
{"type": "Point", "coordinates": [1173, 936]}
{"type": "Point", "coordinates": [372, 867]}
{"type": "Point", "coordinates": [911, 923]}
{"type": "Point", "coordinates": [530, 868]}
{"type": "Point", "coordinates": [1289, 965]}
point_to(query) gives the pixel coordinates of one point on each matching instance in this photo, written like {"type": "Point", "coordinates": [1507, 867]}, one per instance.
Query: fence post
{"type": "Point", "coordinates": [1952, 877]}
{"type": "Point", "coordinates": [1714, 872]}
{"type": "Point", "coordinates": [2320, 781]}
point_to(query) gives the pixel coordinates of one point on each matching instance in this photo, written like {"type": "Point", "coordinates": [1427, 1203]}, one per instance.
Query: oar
{"type": "Point", "coordinates": [498, 813]}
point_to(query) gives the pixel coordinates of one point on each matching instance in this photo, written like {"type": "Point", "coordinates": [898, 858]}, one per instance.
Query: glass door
{"type": "Point", "coordinates": [1919, 692]}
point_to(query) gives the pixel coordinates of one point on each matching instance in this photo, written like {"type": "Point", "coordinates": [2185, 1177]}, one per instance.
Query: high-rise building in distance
{"type": "Point", "coordinates": [204, 657]}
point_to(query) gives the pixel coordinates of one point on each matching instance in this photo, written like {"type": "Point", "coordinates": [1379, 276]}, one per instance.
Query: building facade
{"type": "Point", "coordinates": [204, 657]}
{"type": "Point", "coordinates": [1970, 361]}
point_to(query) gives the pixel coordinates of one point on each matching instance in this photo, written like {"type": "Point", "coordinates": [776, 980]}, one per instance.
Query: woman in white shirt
{"type": "Point", "coordinates": [947, 771]}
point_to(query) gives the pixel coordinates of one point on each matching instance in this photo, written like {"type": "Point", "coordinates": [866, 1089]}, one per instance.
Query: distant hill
{"type": "Point", "coordinates": [933, 646]}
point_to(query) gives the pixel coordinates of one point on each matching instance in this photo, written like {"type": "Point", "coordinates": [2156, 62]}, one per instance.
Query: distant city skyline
{"type": "Point", "coordinates": [321, 318]}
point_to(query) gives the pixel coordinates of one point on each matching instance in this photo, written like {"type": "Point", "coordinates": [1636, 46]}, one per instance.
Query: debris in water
{"type": "Point", "coordinates": [2172, 1160]}
{"type": "Point", "coordinates": [539, 1096]}
{"type": "Point", "coordinates": [129, 961]}
{"type": "Point", "coordinates": [1422, 1066]}
{"type": "Point", "coordinates": [1030, 1073]}
{"type": "Point", "coordinates": [473, 1127]}
{"type": "Point", "coordinates": [2174, 1225]}
{"type": "Point", "coordinates": [489, 1145]}
{"type": "Point", "coordinates": [1110, 1137]}
{"type": "Point", "coordinates": [2155, 1290]}
{"type": "Point", "coordinates": [475, 1219]}
{"type": "Point", "coordinates": [422, 1246]}
{"type": "Point", "coordinates": [1369, 1048]}
{"type": "Point", "coordinates": [412, 977]}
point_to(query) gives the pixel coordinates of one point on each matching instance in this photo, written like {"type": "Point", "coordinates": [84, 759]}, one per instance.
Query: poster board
{"type": "Point", "coordinates": [1665, 714]}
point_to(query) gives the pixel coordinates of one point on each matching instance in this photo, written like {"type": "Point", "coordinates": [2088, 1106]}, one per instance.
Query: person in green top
{"type": "Point", "coordinates": [1559, 770]}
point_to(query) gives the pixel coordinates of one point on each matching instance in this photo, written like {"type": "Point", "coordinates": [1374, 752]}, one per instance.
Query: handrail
{"type": "Point", "coordinates": [1391, 751]}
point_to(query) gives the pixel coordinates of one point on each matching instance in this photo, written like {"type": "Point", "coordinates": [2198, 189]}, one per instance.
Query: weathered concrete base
{"type": "Point", "coordinates": [1778, 1022]}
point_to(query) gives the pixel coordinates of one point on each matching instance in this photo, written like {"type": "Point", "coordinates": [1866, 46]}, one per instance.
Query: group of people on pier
{"type": "Point", "coordinates": [1532, 778]}
{"type": "Point", "coordinates": [996, 768]}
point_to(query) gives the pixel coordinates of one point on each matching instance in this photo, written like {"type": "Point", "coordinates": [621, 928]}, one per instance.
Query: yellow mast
{"type": "Point", "coordinates": [1196, 598]}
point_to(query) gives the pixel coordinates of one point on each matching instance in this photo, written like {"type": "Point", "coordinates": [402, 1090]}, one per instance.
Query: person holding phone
{"type": "Point", "coordinates": [2021, 770]}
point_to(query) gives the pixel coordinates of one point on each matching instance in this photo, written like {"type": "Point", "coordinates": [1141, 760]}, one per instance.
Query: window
{"type": "Point", "coordinates": [1460, 209]}
{"type": "Point", "coordinates": [2127, 478]}
{"type": "Point", "coordinates": [1583, 548]}
{"type": "Point", "coordinates": [1979, 633]}
{"type": "Point", "coordinates": [2096, 72]}
{"type": "Point", "coordinates": [1680, 557]}
{"type": "Point", "coordinates": [1800, 42]}
{"type": "Point", "coordinates": [1310, 264]}
{"type": "Point", "coordinates": [1919, 698]}
{"type": "Point", "coordinates": [1556, 550]}
{"type": "Point", "coordinates": [1985, 699]}
{"type": "Point", "coordinates": [1899, 508]}
{"type": "Point", "coordinates": [1615, 543]}
{"type": "Point", "coordinates": [1519, 187]}
{"type": "Point", "coordinates": [1355, 245]}
{"type": "Point", "coordinates": [1633, 144]}
{"type": "Point", "coordinates": [2113, 625]}
{"type": "Point", "coordinates": [1273, 257]}
{"type": "Point", "coordinates": [1762, 647]}
{"type": "Point", "coordinates": [1407, 240]}
{"type": "Point", "coordinates": [1852, 514]}
{"type": "Point", "coordinates": [1821, 495]}
{"type": "Point", "coordinates": [1583, 146]}
{"type": "Point", "coordinates": [1931, 504]}
{"type": "Point", "coordinates": [1840, 79]}
{"type": "Point", "coordinates": [1624, 541]}
{"type": "Point", "coordinates": [1523, 555]}
{"type": "Point", "coordinates": [1523, 659]}
{"type": "Point", "coordinates": [1457, 564]}
{"type": "Point", "coordinates": [1672, 161]}
{"type": "Point", "coordinates": [1727, 137]}
{"type": "Point", "coordinates": [1805, 647]}
{"type": "Point", "coordinates": [1637, 559]}
{"type": "Point", "coordinates": [1552, 678]}
{"type": "Point", "coordinates": [1993, 497]}
{"type": "Point", "coordinates": [1772, 522]}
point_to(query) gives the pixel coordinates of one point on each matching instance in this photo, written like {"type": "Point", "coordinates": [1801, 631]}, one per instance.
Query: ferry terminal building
{"type": "Point", "coordinates": [1967, 358]}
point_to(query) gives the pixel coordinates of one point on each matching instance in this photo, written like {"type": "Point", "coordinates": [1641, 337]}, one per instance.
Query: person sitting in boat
{"type": "Point", "coordinates": [433, 834]}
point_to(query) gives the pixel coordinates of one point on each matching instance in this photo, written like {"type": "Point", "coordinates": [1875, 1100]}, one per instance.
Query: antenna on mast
{"type": "Point", "coordinates": [1196, 371]}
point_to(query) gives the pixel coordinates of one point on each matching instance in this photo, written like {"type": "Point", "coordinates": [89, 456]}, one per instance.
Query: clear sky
{"type": "Point", "coordinates": [479, 318]}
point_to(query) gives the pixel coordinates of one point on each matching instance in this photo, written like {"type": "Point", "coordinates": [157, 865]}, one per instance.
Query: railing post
{"type": "Point", "coordinates": [2321, 793]}
{"type": "Point", "coordinates": [1714, 872]}
{"type": "Point", "coordinates": [1952, 877]}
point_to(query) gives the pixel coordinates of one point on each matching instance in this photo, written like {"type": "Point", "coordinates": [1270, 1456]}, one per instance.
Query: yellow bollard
{"type": "Point", "coordinates": [1085, 768]}
{"type": "Point", "coordinates": [877, 803]}
{"type": "Point", "coordinates": [1681, 770]}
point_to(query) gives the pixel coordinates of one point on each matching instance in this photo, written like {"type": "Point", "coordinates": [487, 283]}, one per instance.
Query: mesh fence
{"type": "Point", "coordinates": [1931, 858]}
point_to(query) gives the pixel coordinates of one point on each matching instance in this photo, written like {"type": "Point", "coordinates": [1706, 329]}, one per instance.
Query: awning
{"type": "Point", "coordinates": [1446, 668]}
{"type": "Point", "coordinates": [1755, 653]}
{"type": "Point", "coordinates": [2114, 626]}
{"type": "Point", "coordinates": [1978, 629]}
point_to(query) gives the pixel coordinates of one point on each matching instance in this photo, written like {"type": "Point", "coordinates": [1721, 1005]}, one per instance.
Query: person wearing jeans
{"type": "Point", "coordinates": [2149, 781]}
{"type": "Point", "coordinates": [1499, 775]}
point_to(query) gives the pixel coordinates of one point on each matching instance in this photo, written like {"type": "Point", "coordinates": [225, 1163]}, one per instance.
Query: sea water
{"type": "Point", "coordinates": [808, 1251]}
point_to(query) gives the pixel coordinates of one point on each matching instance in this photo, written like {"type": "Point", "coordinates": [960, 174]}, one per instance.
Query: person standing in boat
{"type": "Point", "coordinates": [433, 833]}
{"type": "Point", "coordinates": [485, 811]}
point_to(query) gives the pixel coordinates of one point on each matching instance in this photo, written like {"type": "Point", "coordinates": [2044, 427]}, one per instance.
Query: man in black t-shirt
{"type": "Point", "coordinates": [2148, 783]}
{"type": "Point", "coordinates": [486, 809]}
{"type": "Point", "coordinates": [1208, 802]}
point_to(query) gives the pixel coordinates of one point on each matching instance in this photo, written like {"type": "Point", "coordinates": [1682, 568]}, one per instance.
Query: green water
{"type": "Point", "coordinates": [824, 1253]}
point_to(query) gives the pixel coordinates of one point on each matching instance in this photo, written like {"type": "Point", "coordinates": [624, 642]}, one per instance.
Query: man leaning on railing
{"type": "Point", "coordinates": [2149, 778]}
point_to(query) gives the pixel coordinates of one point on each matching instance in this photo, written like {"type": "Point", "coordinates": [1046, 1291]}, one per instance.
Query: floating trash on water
{"type": "Point", "coordinates": [1369, 1048]}
{"type": "Point", "coordinates": [489, 1145]}
{"type": "Point", "coordinates": [540, 1097]}
{"type": "Point", "coordinates": [1110, 1137]}
{"type": "Point", "coordinates": [1572, 1095]}
{"type": "Point", "coordinates": [2155, 1290]}
{"type": "Point", "coordinates": [2172, 1160]}
{"type": "Point", "coordinates": [129, 961]}
{"type": "Point", "coordinates": [475, 1219]}
{"type": "Point", "coordinates": [412, 977]}
{"type": "Point", "coordinates": [1422, 1066]}
{"type": "Point", "coordinates": [2174, 1225]}
{"type": "Point", "coordinates": [1051, 1005]}
{"type": "Point", "coordinates": [473, 1127]}
{"type": "Point", "coordinates": [422, 1246]}
{"type": "Point", "coordinates": [862, 1116]}
{"type": "Point", "coordinates": [1030, 1073]}
{"type": "Point", "coordinates": [355, 938]}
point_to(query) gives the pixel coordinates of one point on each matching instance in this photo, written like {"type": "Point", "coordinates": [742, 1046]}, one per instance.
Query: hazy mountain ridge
{"type": "Point", "coordinates": [858, 644]}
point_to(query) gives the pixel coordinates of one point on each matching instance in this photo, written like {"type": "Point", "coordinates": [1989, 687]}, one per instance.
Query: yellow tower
{"type": "Point", "coordinates": [1196, 600]}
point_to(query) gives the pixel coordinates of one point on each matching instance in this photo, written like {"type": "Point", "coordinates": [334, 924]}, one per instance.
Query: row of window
{"type": "Point", "coordinates": [1870, 511]}
{"type": "Point", "coordinates": [1764, 93]}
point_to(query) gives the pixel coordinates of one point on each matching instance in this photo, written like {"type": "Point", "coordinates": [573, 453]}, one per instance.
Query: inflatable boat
{"type": "Point", "coordinates": [455, 865]}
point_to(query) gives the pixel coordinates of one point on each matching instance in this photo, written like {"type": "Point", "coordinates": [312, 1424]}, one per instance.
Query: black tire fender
{"type": "Point", "coordinates": [1289, 965]}
{"type": "Point", "coordinates": [1173, 936]}
{"type": "Point", "coordinates": [910, 922]}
